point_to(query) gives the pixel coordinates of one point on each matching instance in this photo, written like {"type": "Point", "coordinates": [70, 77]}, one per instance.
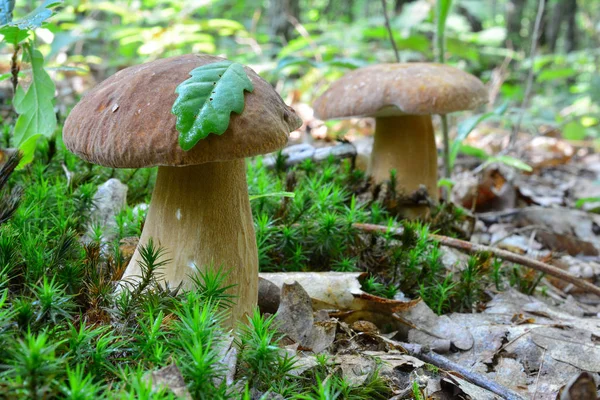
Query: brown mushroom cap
{"type": "Point", "coordinates": [126, 121]}
{"type": "Point", "coordinates": [401, 89]}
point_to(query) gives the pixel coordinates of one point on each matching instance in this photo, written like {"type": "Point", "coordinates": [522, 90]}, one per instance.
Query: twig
{"type": "Point", "coordinates": [473, 248]}
{"type": "Point", "coordinates": [478, 379]}
{"type": "Point", "coordinates": [537, 378]}
{"type": "Point", "coordinates": [389, 29]}
{"type": "Point", "coordinates": [529, 84]}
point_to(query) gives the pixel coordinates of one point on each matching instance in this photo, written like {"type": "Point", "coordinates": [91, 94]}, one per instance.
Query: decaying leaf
{"type": "Point", "coordinates": [574, 346]}
{"type": "Point", "coordinates": [441, 327]}
{"type": "Point", "coordinates": [295, 318]}
{"type": "Point", "coordinates": [341, 291]}
{"type": "Point", "coordinates": [473, 391]}
{"type": "Point", "coordinates": [492, 190]}
{"type": "Point", "coordinates": [333, 291]}
{"type": "Point", "coordinates": [573, 231]}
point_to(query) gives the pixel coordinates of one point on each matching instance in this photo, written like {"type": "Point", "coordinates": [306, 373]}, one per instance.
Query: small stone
{"type": "Point", "coordinates": [364, 326]}
{"type": "Point", "coordinates": [108, 201]}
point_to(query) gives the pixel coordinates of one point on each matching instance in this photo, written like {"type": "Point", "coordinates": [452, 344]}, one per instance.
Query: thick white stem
{"type": "Point", "coordinates": [201, 216]}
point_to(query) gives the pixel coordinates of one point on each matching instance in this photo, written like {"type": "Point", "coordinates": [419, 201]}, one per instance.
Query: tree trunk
{"type": "Point", "coordinates": [349, 10]}
{"type": "Point", "coordinates": [570, 12]}
{"type": "Point", "coordinates": [280, 12]}
{"type": "Point", "coordinates": [553, 20]}
{"type": "Point", "coordinates": [514, 16]}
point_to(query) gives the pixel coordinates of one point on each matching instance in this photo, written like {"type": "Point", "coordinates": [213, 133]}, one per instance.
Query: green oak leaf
{"type": "Point", "coordinates": [206, 100]}
{"type": "Point", "coordinates": [36, 105]}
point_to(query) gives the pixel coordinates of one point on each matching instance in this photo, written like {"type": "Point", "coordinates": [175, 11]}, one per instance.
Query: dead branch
{"type": "Point", "coordinates": [472, 248]}
{"type": "Point", "coordinates": [475, 378]}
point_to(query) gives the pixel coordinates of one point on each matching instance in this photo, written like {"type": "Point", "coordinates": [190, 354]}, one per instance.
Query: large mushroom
{"type": "Point", "coordinates": [200, 211]}
{"type": "Point", "coordinates": [402, 98]}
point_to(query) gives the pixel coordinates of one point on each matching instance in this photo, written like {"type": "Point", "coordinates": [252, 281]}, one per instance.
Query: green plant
{"type": "Point", "coordinates": [442, 10]}
{"type": "Point", "coordinates": [35, 107]}
{"type": "Point", "coordinates": [32, 365]}
{"type": "Point", "coordinates": [261, 360]}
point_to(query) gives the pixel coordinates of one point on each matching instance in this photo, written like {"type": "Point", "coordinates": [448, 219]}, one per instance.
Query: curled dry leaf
{"type": "Point", "coordinates": [492, 190]}
{"type": "Point", "coordinates": [543, 152]}
{"type": "Point", "coordinates": [334, 291]}
{"type": "Point", "coordinates": [341, 291]}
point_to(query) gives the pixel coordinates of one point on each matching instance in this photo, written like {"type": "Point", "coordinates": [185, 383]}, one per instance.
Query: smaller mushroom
{"type": "Point", "coordinates": [402, 98]}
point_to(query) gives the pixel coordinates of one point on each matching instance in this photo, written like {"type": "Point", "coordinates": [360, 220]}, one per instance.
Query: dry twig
{"type": "Point", "coordinates": [475, 378]}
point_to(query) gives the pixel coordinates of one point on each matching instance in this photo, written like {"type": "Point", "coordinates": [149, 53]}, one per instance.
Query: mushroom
{"type": "Point", "coordinates": [200, 211]}
{"type": "Point", "coordinates": [402, 98]}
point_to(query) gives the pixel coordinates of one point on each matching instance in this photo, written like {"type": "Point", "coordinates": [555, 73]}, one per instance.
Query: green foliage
{"type": "Point", "coordinates": [468, 125]}
{"type": "Point", "coordinates": [491, 159]}
{"type": "Point", "coordinates": [32, 20]}
{"type": "Point", "coordinates": [262, 361]}
{"type": "Point", "coordinates": [207, 99]}
{"type": "Point", "coordinates": [442, 11]}
{"type": "Point", "coordinates": [36, 105]}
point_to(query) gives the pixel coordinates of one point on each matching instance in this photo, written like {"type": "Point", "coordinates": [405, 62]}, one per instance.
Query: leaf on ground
{"type": "Point", "coordinates": [575, 346]}
{"type": "Point", "coordinates": [207, 99]}
{"type": "Point", "coordinates": [36, 105]}
{"type": "Point", "coordinates": [438, 326]}
{"type": "Point", "coordinates": [295, 318]}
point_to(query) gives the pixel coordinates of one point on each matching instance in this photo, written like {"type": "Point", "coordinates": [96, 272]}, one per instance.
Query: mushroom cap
{"type": "Point", "coordinates": [401, 89]}
{"type": "Point", "coordinates": [126, 121]}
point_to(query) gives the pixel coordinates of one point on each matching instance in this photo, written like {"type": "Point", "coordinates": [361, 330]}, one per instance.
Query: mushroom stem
{"type": "Point", "coordinates": [201, 216]}
{"type": "Point", "coordinates": [406, 143]}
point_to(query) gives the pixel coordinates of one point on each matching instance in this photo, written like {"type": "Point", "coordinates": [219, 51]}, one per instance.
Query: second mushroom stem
{"type": "Point", "coordinates": [406, 143]}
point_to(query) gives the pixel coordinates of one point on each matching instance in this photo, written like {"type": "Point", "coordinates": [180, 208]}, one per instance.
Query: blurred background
{"type": "Point", "coordinates": [302, 45]}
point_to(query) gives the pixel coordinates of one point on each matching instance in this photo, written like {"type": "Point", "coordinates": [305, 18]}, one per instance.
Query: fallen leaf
{"type": "Point", "coordinates": [295, 318]}
{"type": "Point", "coordinates": [573, 347]}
